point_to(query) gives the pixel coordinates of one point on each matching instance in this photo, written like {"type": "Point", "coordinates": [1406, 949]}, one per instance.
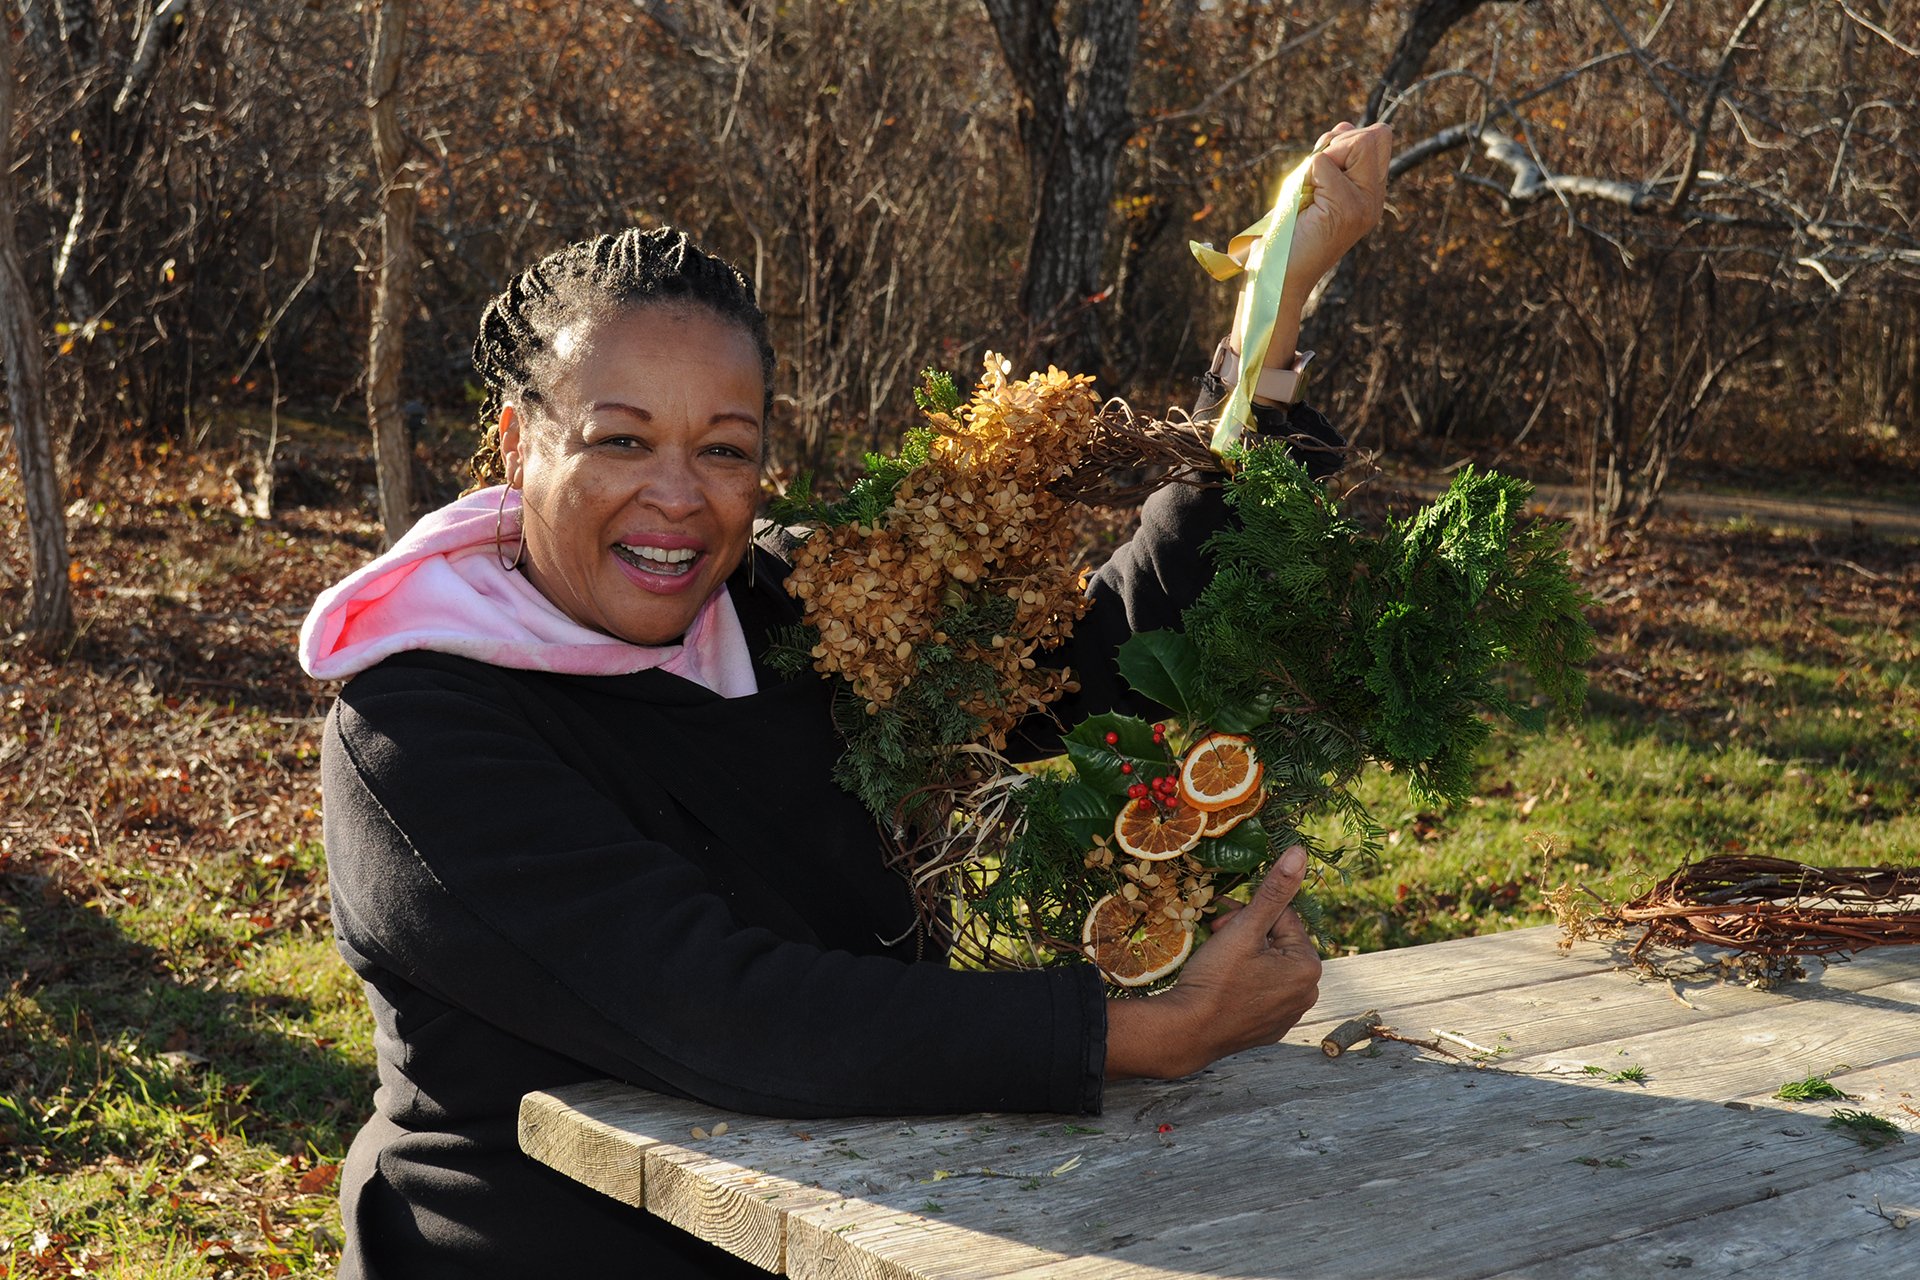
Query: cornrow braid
{"type": "Point", "coordinates": [592, 280]}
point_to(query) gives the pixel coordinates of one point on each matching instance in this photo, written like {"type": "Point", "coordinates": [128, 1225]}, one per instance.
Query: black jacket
{"type": "Point", "coordinates": [545, 879]}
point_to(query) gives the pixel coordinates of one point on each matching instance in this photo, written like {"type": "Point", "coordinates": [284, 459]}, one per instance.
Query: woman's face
{"type": "Point", "coordinates": [640, 474]}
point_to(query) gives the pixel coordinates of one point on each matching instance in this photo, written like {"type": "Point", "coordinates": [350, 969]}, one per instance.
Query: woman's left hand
{"type": "Point", "coordinates": [1349, 190]}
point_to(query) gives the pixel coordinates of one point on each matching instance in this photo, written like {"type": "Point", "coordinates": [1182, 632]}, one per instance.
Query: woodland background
{"type": "Point", "coordinates": [1630, 248]}
{"type": "Point", "coordinates": [1620, 233]}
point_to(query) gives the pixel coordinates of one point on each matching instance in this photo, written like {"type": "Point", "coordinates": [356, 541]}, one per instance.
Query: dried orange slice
{"type": "Point", "coordinates": [1157, 833]}
{"type": "Point", "coordinates": [1132, 943]}
{"type": "Point", "coordinates": [1221, 821]}
{"type": "Point", "coordinates": [1220, 772]}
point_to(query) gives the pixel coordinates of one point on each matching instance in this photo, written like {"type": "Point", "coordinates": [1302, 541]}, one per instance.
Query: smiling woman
{"type": "Point", "coordinates": [639, 469]}
{"type": "Point", "coordinates": [578, 828]}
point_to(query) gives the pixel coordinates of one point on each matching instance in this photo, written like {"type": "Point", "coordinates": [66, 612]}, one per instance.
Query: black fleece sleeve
{"type": "Point", "coordinates": [1153, 577]}
{"type": "Point", "coordinates": [525, 898]}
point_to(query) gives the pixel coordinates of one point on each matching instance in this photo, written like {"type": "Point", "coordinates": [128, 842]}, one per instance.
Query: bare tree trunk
{"type": "Point", "coordinates": [100, 134]}
{"type": "Point", "coordinates": [49, 624]}
{"type": "Point", "coordinates": [1426, 27]}
{"type": "Point", "coordinates": [393, 294]}
{"type": "Point", "coordinates": [1909, 393]}
{"type": "Point", "coordinates": [1072, 88]}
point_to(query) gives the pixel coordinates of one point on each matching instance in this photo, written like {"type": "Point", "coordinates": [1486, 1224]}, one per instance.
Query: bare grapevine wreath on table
{"type": "Point", "coordinates": [933, 591]}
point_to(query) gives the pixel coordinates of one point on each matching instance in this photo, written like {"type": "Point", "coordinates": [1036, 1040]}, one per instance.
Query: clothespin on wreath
{"type": "Point", "coordinates": [1260, 251]}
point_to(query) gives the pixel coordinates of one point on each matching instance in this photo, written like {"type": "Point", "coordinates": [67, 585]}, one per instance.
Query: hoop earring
{"type": "Point", "coordinates": [753, 565]}
{"type": "Point", "coordinates": [499, 535]}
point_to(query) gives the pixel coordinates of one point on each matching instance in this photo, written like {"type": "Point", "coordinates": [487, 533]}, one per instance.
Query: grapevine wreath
{"type": "Point", "coordinates": [931, 596]}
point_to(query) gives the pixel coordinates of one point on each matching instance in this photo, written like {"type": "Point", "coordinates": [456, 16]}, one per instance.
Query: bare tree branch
{"type": "Point", "coordinates": [393, 289]}
{"type": "Point", "coordinates": [1429, 25]}
{"type": "Point", "coordinates": [1646, 65]}
{"type": "Point", "coordinates": [1878, 30]}
{"type": "Point", "coordinates": [1698, 152]}
{"type": "Point", "coordinates": [1531, 181]}
{"type": "Point", "coordinates": [49, 619]}
{"type": "Point", "coordinates": [1205, 104]}
{"type": "Point", "coordinates": [146, 52]}
{"type": "Point", "coordinates": [33, 17]}
{"type": "Point", "coordinates": [78, 34]}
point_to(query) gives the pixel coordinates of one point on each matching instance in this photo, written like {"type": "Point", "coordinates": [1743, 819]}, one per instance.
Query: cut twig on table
{"type": "Point", "coordinates": [1388, 1033]}
{"type": "Point", "coordinates": [1465, 1043]}
{"type": "Point", "coordinates": [1352, 1032]}
{"type": "Point", "coordinates": [1367, 1026]}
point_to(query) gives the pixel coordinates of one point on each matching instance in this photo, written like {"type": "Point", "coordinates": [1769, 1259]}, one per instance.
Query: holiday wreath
{"type": "Point", "coordinates": [932, 593]}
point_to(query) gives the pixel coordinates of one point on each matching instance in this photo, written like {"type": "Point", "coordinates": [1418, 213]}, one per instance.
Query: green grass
{"type": "Point", "coordinates": [183, 1057]}
{"type": "Point", "coordinates": [174, 1083]}
{"type": "Point", "coordinates": [1784, 732]}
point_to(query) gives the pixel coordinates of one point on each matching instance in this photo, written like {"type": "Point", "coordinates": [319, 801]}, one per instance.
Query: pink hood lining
{"type": "Point", "coordinates": [441, 588]}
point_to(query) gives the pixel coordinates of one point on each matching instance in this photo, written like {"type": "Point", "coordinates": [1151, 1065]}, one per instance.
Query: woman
{"type": "Point", "coordinates": [575, 828]}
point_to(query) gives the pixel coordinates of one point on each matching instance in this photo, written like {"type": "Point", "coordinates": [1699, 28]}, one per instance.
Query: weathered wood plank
{"type": "Point", "coordinates": [1404, 1134]}
{"type": "Point", "coordinates": [1459, 967]}
{"type": "Point", "coordinates": [1846, 1227]}
{"type": "Point", "coordinates": [1460, 1165]}
{"type": "Point", "coordinates": [1353, 983]}
{"type": "Point", "coordinates": [1755, 1052]}
{"type": "Point", "coordinates": [1886, 1088]}
{"type": "Point", "coordinates": [727, 1203]}
{"type": "Point", "coordinates": [1587, 1020]}
{"type": "Point", "coordinates": [856, 1240]}
{"type": "Point", "coordinates": [586, 1131]}
{"type": "Point", "coordinates": [1655, 1163]}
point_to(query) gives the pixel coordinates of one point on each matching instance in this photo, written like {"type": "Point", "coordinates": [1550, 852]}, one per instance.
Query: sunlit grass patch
{"type": "Point", "coordinates": [183, 1057]}
{"type": "Point", "coordinates": [1732, 723]}
{"type": "Point", "coordinates": [164, 1109]}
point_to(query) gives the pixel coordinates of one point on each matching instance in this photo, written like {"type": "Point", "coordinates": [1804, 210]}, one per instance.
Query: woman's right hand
{"type": "Point", "coordinates": [1247, 986]}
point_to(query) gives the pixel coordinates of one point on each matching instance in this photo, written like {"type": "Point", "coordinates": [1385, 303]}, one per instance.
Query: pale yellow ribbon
{"type": "Point", "coordinates": [1261, 251]}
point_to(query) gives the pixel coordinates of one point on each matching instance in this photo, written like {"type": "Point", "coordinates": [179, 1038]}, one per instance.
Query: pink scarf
{"type": "Point", "coordinates": [441, 588]}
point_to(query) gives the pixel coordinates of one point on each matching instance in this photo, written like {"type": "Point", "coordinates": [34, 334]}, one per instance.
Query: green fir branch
{"type": "Point", "coordinates": [937, 393]}
{"type": "Point", "coordinates": [1336, 649]}
{"type": "Point", "coordinates": [868, 497]}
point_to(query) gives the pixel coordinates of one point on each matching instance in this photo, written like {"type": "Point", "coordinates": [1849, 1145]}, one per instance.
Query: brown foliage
{"type": "Point", "coordinates": [1670, 205]}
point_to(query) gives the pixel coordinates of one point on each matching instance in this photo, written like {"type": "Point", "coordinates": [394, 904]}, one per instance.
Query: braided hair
{"type": "Point", "coordinates": [591, 280]}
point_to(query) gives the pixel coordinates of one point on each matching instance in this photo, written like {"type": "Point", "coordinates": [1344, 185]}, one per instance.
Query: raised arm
{"type": "Point", "coordinates": [1162, 569]}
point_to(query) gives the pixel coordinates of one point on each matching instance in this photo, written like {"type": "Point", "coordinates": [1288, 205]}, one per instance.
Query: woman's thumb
{"type": "Point", "coordinates": [1276, 892]}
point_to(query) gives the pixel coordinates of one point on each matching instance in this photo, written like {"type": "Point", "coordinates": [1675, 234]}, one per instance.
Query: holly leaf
{"type": "Point", "coordinates": [1087, 813]}
{"type": "Point", "coordinates": [1165, 666]}
{"type": "Point", "coordinates": [1098, 762]}
{"type": "Point", "coordinates": [1243, 849]}
{"type": "Point", "coordinates": [1244, 718]}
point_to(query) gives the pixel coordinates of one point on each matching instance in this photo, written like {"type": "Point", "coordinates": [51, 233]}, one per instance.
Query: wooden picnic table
{"type": "Point", "coordinates": [1538, 1159]}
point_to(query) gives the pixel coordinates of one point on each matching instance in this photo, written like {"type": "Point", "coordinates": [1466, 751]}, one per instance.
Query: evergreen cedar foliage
{"type": "Point", "coordinates": [1384, 647]}
{"type": "Point", "coordinates": [1330, 645]}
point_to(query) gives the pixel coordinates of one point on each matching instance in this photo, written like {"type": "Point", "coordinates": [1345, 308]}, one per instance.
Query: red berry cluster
{"type": "Point", "coordinates": [1164, 790]}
